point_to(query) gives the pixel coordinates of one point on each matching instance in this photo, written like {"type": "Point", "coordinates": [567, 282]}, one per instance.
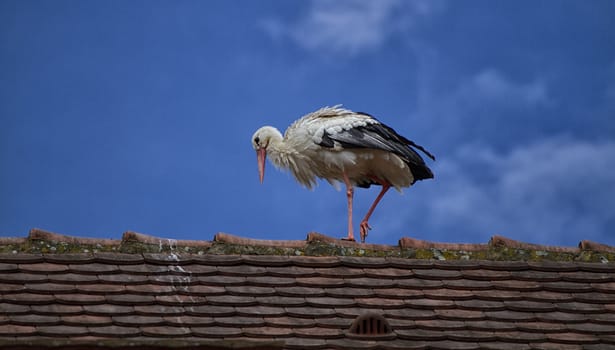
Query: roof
{"type": "Point", "coordinates": [322, 293]}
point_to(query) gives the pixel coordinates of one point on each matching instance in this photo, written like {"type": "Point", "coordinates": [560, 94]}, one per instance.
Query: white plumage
{"type": "Point", "coordinates": [340, 145]}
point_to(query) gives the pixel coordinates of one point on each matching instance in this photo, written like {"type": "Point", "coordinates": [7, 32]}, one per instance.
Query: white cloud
{"type": "Point", "coordinates": [557, 190]}
{"type": "Point", "coordinates": [350, 26]}
{"type": "Point", "coordinates": [492, 84]}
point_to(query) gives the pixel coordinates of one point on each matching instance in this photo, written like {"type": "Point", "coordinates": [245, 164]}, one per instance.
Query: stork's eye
{"type": "Point", "coordinates": [257, 140]}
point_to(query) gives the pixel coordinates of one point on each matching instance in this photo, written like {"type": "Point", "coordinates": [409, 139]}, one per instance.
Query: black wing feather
{"type": "Point", "coordinates": [383, 137]}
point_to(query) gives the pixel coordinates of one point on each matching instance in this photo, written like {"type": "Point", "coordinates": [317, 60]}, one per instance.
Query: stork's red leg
{"type": "Point", "coordinates": [349, 194]}
{"type": "Point", "coordinates": [364, 226]}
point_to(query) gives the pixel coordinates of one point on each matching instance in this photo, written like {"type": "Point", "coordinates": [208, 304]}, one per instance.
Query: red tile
{"type": "Point", "coordinates": [144, 269]}
{"type": "Point", "coordinates": [108, 309]}
{"type": "Point", "coordinates": [80, 299]}
{"type": "Point", "coordinates": [529, 306]}
{"type": "Point", "coordinates": [209, 311]}
{"type": "Point", "coordinates": [86, 320]}
{"type": "Point", "coordinates": [424, 303]}
{"type": "Point", "coordinates": [353, 312]}
{"type": "Point", "coordinates": [533, 275]}
{"type": "Point", "coordinates": [50, 288]}
{"type": "Point", "coordinates": [486, 275]}
{"type": "Point", "coordinates": [216, 332]}
{"type": "Point", "coordinates": [298, 291]}
{"type": "Point", "coordinates": [390, 272]}
{"type": "Point", "coordinates": [309, 312]}
{"type": "Point", "coordinates": [436, 274]}
{"type": "Point", "coordinates": [491, 326]}
{"type": "Point", "coordinates": [161, 310]}
{"type": "Point", "coordinates": [189, 321]}
{"type": "Point", "coordinates": [21, 258]}
{"type": "Point", "coordinates": [58, 309]}
{"type": "Point", "coordinates": [291, 322]}
{"type": "Point", "coordinates": [6, 288]}
{"type": "Point", "coordinates": [577, 307]}
{"type": "Point", "coordinates": [100, 288]}
{"type": "Point", "coordinates": [180, 300]}
{"type": "Point", "coordinates": [218, 280]}
{"type": "Point", "coordinates": [331, 302]}
{"type": "Point", "coordinates": [467, 284]}
{"type": "Point", "coordinates": [242, 270]}
{"type": "Point", "coordinates": [421, 334]}
{"type": "Point", "coordinates": [347, 292]}
{"type": "Point", "coordinates": [460, 314]}
{"type": "Point", "coordinates": [448, 294]}
{"type": "Point", "coordinates": [28, 298]}
{"type": "Point", "coordinates": [13, 330]}
{"type": "Point", "coordinates": [339, 272]}
{"type": "Point", "coordinates": [523, 286]}
{"type": "Point", "coordinates": [567, 287]}
{"type": "Point", "coordinates": [118, 258]}
{"type": "Point", "coordinates": [320, 282]}
{"type": "Point", "coordinates": [364, 262]}
{"type": "Point", "coordinates": [204, 290]}
{"type": "Point", "coordinates": [594, 297]}
{"type": "Point", "coordinates": [334, 322]}
{"type": "Point", "coordinates": [540, 327]}
{"type": "Point", "coordinates": [281, 301]}
{"type": "Point", "coordinates": [520, 337]}
{"type": "Point", "coordinates": [442, 325]}
{"type": "Point", "coordinates": [454, 345]}
{"type": "Point", "coordinates": [391, 293]}
{"type": "Point", "coordinates": [93, 268]}
{"type": "Point", "coordinates": [43, 267]}
{"type": "Point", "coordinates": [266, 260]}
{"type": "Point", "coordinates": [130, 299]}
{"type": "Point", "coordinates": [498, 295]}
{"type": "Point", "coordinates": [573, 338]}
{"type": "Point", "coordinates": [123, 278]}
{"type": "Point", "coordinates": [471, 336]}
{"type": "Point", "coordinates": [507, 315]}
{"type": "Point", "coordinates": [22, 277]}
{"type": "Point", "coordinates": [137, 320]}
{"type": "Point", "coordinates": [270, 281]}
{"type": "Point", "coordinates": [9, 308]}
{"type": "Point", "coordinates": [115, 331]}
{"type": "Point", "coordinates": [250, 290]}
{"type": "Point", "coordinates": [546, 296]}
{"type": "Point", "coordinates": [62, 331]}
{"type": "Point", "coordinates": [562, 317]}
{"type": "Point", "coordinates": [260, 311]}
{"type": "Point", "coordinates": [291, 271]}
{"type": "Point", "coordinates": [267, 332]}
{"type": "Point", "coordinates": [239, 321]}
{"type": "Point", "coordinates": [316, 261]}
{"type": "Point", "coordinates": [477, 304]}
{"type": "Point", "coordinates": [380, 303]}
{"type": "Point", "coordinates": [200, 270]}
{"type": "Point", "coordinates": [586, 277]}
{"type": "Point", "coordinates": [72, 278]}
{"type": "Point", "coordinates": [318, 333]}
{"type": "Point", "coordinates": [34, 320]}
{"type": "Point", "coordinates": [604, 287]}
{"type": "Point", "coordinates": [231, 300]}
{"type": "Point", "coordinates": [368, 282]}
{"type": "Point", "coordinates": [592, 328]}
{"type": "Point", "coordinates": [411, 314]}
{"type": "Point", "coordinates": [416, 283]}
{"type": "Point", "coordinates": [150, 289]}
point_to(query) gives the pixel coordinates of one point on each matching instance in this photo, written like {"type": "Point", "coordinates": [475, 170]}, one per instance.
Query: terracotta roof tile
{"type": "Point", "coordinates": [143, 289]}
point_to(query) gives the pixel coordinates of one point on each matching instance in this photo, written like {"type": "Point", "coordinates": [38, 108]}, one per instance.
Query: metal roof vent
{"type": "Point", "coordinates": [370, 325]}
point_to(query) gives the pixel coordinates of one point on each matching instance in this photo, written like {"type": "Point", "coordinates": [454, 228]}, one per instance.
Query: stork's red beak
{"type": "Point", "coordinates": [261, 155]}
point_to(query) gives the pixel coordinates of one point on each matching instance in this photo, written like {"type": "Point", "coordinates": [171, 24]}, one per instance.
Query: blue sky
{"type": "Point", "coordinates": [137, 115]}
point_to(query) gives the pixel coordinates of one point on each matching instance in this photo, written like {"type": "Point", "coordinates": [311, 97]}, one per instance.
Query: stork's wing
{"type": "Point", "coordinates": [376, 135]}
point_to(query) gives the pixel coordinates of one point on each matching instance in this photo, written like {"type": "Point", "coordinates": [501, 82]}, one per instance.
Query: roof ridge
{"type": "Point", "coordinates": [302, 247]}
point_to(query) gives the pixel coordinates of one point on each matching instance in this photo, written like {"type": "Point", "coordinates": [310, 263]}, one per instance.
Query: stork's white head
{"type": "Point", "coordinates": [261, 140]}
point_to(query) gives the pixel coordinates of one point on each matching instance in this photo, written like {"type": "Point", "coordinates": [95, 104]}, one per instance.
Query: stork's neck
{"type": "Point", "coordinates": [278, 149]}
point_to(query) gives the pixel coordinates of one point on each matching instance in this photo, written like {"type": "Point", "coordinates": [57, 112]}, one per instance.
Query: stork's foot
{"type": "Point", "coordinates": [350, 238]}
{"type": "Point", "coordinates": [364, 229]}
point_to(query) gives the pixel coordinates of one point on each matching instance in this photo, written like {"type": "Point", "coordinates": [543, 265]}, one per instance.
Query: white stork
{"type": "Point", "coordinates": [340, 145]}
